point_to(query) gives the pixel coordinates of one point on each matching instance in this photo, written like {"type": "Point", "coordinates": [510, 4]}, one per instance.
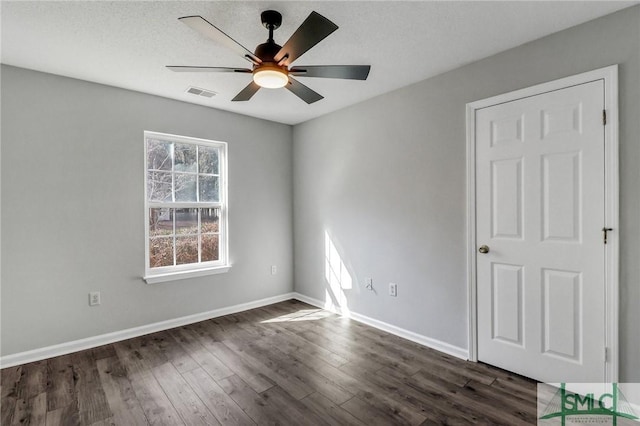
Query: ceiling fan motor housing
{"type": "Point", "coordinates": [267, 51]}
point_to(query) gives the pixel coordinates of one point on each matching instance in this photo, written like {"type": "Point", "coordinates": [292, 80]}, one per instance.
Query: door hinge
{"type": "Point", "coordinates": [605, 231]}
{"type": "Point", "coordinates": [606, 354]}
{"type": "Point", "coordinates": [604, 117]}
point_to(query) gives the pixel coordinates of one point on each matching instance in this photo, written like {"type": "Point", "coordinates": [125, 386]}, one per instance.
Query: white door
{"type": "Point", "coordinates": [540, 200]}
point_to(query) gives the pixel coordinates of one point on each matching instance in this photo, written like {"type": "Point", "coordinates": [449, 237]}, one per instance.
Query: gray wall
{"type": "Point", "coordinates": [386, 180]}
{"type": "Point", "coordinates": [72, 209]}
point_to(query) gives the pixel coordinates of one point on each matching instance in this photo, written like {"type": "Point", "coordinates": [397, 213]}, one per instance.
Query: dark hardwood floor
{"type": "Point", "coordinates": [288, 364]}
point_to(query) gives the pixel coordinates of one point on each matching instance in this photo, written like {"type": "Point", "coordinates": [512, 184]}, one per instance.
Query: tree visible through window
{"type": "Point", "coordinates": [185, 203]}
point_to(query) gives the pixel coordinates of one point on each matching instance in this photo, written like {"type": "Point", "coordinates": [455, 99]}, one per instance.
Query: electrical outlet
{"type": "Point", "coordinates": [368, 283]}
{"type": "Point", "coordinates": [393, 289]}
{"type": "Point", "coordinates": [94, 298]}
{"type": "Point", "coordinates": [274, 269]}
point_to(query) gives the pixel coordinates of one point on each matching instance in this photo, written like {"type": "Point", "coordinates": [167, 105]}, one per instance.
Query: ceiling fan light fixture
{"type": "Point", "coordinates": [270, 77]}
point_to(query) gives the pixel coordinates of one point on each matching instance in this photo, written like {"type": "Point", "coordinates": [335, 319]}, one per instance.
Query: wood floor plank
{"type": "Point", "coordinates": [524, 391]}
{"type": "Point", "coordinates": [156, 406]}
{"type": "Point", "coordinates": [293, 342]}
{"type": "Point", "coordinates": [192, 410]}
{"type": "Point", "coordinates": [407, 352]}
{"type": "Point", "coordinates": [92, 402]}
{"type": "Point", "coordinates": [524, 408]}
{"type": "Point", "coordinates": [39, 410]}
{"type": "Point", "coordinates": [30, 405]}
{"type": "Point", "coordinates": [61, 392]}
{"type": "Point", "coordinates": [413, 352]}
{"type": "Point", "coordinates": [451, 376]}
{"type": "Point", "coordinates": [147, 347]}
{"type": "Point", "coordinates": [174, 351]}
{"type": "Point", "coordinates": [9, 380]}
{"type": "Point", "coordinates": [284, 364]}
{"type": "Point", "coordinates": [302, 371]}
{"type": "Point", "coordinates": [331, 413]}
{"type": "Point", "coordinates": [203, 358]}
{"type": "Point", "coordinates": [288, 319]}
{"type": "Point", "coordinates": [457, 396]}
{"type": "Point", "coordinates": [326, 341]}
{"type": "Point", "coordinates": [104, 351]}
{"type": "Point", "coordinates": [65, 416]}
{"type": "Point", "coordinates": [270, 368]}
{"type": "Point", "coordinates": [286, 312]}
{"type": "Point", "coordinates": [368, 392]}
{"type": "Point", "coordinates": [437, 406]}
{"type": "Point", "coordinates": [36, 375]}
{"type": "Point", "coordinates": [121, 398]}
{"type": "Point", "coordinates": [221, 405]}
{"type": "Point", "coordinates": [20, 412]}
{"type": "Point", "coordinates": [291, 411]}
{"type": "Point", "coordinates": [246, 372]}
{"type": "Point", "coordinates": [398, 399]}
{"type": "Point", "coordinates": [369, 349]}
{"type": "Point", "coordinates": [106, 422]}
{"type": "Point", "coordinates": [371, 415]}
{"type": "Point", "coordinates": [224, 328]}
{"type": "Point", "coordinates": [54, 418]}
{"type": "Point", "coordinates": [250, 401]}
{"type": "Point", "coordinates": [252, 322]}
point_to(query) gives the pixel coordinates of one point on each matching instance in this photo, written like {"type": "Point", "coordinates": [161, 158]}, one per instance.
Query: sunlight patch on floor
{"type": "Point", "coordinates": [301, 315]}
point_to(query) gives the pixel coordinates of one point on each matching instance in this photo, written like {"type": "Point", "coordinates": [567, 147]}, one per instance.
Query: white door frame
{"type": "Point", "coordinates": [610, 77]}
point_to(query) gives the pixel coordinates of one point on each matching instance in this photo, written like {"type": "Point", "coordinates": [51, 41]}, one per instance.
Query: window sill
{"type": "Point", "coordinates": [173, 276]}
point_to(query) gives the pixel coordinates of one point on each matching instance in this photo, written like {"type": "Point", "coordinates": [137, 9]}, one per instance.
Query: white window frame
{"type": "Point", "coordinates": [191, 270]}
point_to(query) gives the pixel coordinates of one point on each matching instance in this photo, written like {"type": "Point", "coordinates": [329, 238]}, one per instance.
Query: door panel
{"type": "Point", "coordinates": [507, 303]}
{"type": "Point", "coordinates": [561, 196]}
{"type": "Point", "coordinates": [506, 194]}
{"type": "Point", "coordinates": [540, 209]}
{"type": "Point", "coordinates": [561, 314]}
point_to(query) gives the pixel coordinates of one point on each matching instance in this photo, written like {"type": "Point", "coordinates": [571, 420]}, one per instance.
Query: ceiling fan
{"type": "Point", "coordinates": [271, 61]}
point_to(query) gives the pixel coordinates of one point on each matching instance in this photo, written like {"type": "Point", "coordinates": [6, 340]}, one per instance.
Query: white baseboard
{"type": "Point", "coordinates": [116, 336]}
{"type": "Point", "coordinates": [438, 345]}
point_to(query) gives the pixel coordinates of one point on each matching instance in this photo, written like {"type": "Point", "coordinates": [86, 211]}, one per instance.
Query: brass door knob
{"type": "Point", "coordinates": [483, 249]}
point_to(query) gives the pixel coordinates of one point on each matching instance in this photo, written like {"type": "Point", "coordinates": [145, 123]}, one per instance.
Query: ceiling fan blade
{"type": "Point", "coordinates": [207, 29]}
{"type": "Point", "coordinates": [302, 91]}
{"type": "Point", "coordinates": [313, 30]}
{"type": "Point", "coordinates": [246, 93]}
{"type": "Point", "coordinates": [351, 72]}
{"type": "Point", "coordinates": [181, 68]}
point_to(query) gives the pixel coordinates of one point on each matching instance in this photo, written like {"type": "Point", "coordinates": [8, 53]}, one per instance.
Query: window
{"type": "Point", "coordinates": [185, 207]}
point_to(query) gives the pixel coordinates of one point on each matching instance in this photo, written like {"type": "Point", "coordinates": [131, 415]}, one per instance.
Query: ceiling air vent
{"type": "Point", "coordinates": [201, 92]}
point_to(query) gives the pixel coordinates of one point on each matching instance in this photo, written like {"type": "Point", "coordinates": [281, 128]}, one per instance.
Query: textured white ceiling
{"type": "Point", "coordinates": [128, 43]}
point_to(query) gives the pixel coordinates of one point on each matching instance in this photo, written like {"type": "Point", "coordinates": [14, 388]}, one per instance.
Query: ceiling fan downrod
{"type": "Point", "coordinates": [271, 20]}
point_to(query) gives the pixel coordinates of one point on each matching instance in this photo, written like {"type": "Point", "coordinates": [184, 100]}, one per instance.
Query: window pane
{"type": "Point", "coordinates": [160, 222]}
{"type": "Point", "coordinates": [186, 250]}
{"type": "Point", "coordinates": [158, 155]}
{"type": "Point", "coordinates": [209, 219]}
{"type": "Point", "coordinates": [209, 247]}
{"type": "Point", "coordinates": [207, 160]}
{"type": "Point", "coordinates": [183, 177]}
{"type": "Point", "coordinates": [185, 187]}
{"type": "Point", "coordinates": [208, 188]}
{"type": "Point", "coordinates": [161, 252]}
{"type": "Point", "coordinates": [185, 158]}
{"type": "Point", "coordinates": [159, 186]}
{"type": "Point", "coordinates": [186, 221]}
